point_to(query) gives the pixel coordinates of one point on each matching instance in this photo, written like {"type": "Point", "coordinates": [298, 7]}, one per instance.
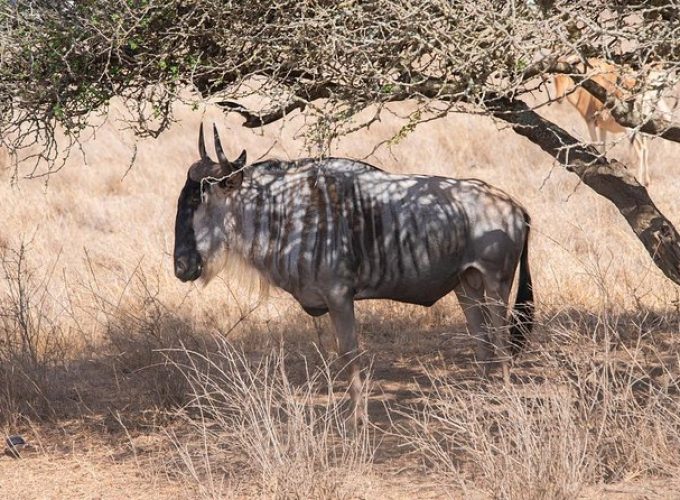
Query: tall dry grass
{"type": "Point", "coordinates": [33, 341]}
{"type": "Point", "coordinates": [288, 439]}
{"type": "Point", "coordinates": [591, 419]}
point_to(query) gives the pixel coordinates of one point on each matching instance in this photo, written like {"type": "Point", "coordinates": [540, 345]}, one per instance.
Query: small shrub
{"type": "Point", "coordinates": [32, 337]}
{"type": "Point", "coordinates": [599, 415]}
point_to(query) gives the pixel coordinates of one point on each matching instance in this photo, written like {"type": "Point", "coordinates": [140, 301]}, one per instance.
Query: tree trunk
{"type": "Point", "coordinates": [608, 178]}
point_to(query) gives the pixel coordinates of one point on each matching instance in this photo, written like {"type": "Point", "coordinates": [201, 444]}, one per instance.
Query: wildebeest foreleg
{"type": "Point", "coordinates": [341, 310]}
{"type": "Point", "coordinates": [322, 336]}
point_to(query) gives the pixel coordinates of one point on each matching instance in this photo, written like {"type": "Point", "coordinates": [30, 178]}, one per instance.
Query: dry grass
{"type": "Point", "coordinates": [33, 342]}
{"type": "Point", "coordinates": [113, 366]}
{"type": "Point", "coordinates": [290, 440]}
{"type": "Point", "coordinates": [593, 416]}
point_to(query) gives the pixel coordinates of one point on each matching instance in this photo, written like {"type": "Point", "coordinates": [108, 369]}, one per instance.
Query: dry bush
{"type": "Point", "coordinates": [289, 440]}
{"type": "Point", "coordinates": [593, 415]}
{"type": "Point", "coordinates": [32, 337]}
{"type": "Point", "coordinates": [138, 331]}
{"type": "Point", "coordinates": [631, 408]}
{"type": "Point", "coordinates": [507, 443]}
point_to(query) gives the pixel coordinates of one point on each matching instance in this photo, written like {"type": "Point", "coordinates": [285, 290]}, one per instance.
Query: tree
{"type": "Point", "coordinates": [62, 61]}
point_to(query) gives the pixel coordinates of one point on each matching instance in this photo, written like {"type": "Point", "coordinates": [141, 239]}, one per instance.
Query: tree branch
{"type": "Point", "coordinates": [608, 178]}
{"type": "Point", "coordinates": [254, 120]}
{"type": "Point", "coordinates": [299, 100]}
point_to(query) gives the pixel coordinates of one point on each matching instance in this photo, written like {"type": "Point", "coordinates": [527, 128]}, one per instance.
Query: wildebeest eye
{"type": "Point", "coordinates": [204, 191]}
{"type": "Point", "coordinates": [223, 183]}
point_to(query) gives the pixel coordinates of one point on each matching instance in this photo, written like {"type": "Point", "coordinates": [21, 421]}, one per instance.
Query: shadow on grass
{"type": "Point", "coordinates": [130, 380]}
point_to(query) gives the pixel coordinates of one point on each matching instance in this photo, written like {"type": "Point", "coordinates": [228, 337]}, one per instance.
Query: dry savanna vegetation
{"type": "Point", "coordinates": [127, 383]}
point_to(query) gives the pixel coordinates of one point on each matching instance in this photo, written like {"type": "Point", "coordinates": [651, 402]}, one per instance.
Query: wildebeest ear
{"type": "Point", "coordinates": [233, 181]}
{"type": "Point", "coordinates": [240, 161]}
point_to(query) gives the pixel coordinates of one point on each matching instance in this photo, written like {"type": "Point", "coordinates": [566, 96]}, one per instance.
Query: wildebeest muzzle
{"type": "Point", "coordinates": [188, 266]}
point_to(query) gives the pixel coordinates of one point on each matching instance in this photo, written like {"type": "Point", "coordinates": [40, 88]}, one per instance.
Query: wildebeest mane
{"type": "Point", "coordinates": [282, 166]}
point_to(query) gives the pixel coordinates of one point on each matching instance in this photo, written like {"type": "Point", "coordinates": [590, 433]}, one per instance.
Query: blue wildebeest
{"type": "Point", "coordinates": [331, 231]}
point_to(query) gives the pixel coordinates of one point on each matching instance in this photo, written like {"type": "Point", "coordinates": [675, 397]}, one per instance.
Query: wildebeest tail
{"type": "Point", "coordinates": [523, 314]}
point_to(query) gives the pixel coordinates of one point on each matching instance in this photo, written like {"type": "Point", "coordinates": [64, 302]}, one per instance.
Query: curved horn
{"type": "Point", "coordinates": [201, 144]}
{"type": "Point", "coordinates": [240, 161]}
{"type": "Point", "coordinates": [218, 148]}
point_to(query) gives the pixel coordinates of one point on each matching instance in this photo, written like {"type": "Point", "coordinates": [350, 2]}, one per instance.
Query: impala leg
{"type": "Point", "coordinates": [342, 316]}
{"type": "Point", "coordinates": [470, 293]}
{"type": "Point", "coordinates": [640, 146]}
{"type": "Point", "coordinates": [644, 146]}
{"type": "Point", "coordinates": [603, 139]}
{"type": "Point", "coordinates": [592, 132]}
{"type": "Point", "coordinates": [497, 295]}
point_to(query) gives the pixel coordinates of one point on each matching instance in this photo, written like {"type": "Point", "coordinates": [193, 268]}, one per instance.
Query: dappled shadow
{"type": "Point", "coordinates": [131, 382]}
{"type": "Point", "coordinates": [625, 326]}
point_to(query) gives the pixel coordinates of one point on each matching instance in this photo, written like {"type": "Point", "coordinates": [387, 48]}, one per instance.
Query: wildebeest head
{"type": "Point", "coordinates": [206, 178]}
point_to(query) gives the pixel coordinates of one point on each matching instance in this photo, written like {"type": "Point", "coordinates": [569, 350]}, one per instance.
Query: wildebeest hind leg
{"type": "Point", "coordinates": [470, 293]}
{"type": "Point", "coordinates": [497, 296]}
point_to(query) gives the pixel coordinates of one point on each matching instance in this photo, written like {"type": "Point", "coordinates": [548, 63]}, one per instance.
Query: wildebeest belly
{"type": "Point", "coordinates": [423, 286]}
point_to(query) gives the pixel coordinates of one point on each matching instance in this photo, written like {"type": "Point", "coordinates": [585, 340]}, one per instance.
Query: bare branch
{"type": "Point", "coordinates": [254, 120]}
{"type": "Point", "coordinates": [609, 178]}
